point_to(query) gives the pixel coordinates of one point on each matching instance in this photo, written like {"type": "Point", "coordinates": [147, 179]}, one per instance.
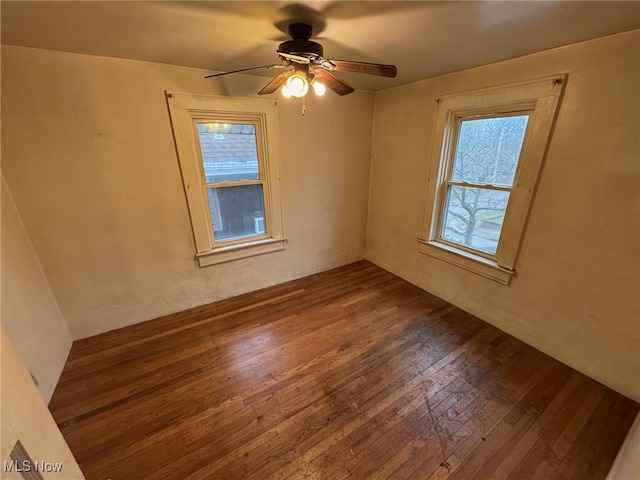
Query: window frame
{"type": "Point", "coordinates": [448, 166]}
{"type": "Point", "coordinates": [540, 99]}
{"type": "Point", "coordinates": [262, 168]}
{"type": "Point", "coordinates": [186, 111]}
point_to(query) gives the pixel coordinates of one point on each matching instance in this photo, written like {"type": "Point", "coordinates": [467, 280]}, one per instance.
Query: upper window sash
{"type": "Point", "coordinates": [260, 148]}
{"type": "Point", "coordinates": [455, 129]}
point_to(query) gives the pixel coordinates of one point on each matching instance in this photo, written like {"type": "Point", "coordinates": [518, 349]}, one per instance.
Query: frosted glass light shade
{"type": "Point", "coordinates": [319, 88]}
{"type": "Point", "coordinates": [297, 85]}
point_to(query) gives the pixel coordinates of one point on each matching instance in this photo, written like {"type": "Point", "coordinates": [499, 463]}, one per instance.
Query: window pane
{"type": "Point", "coordinates": [236, 212]}
{"type": "Point", "coordinates": [474, 216]}
{"type": "Point", "coordinates": [229, 152]}
{"type": "Point", "coordinates": [488, 150]}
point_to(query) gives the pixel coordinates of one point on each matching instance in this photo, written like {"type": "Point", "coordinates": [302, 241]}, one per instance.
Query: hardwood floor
{"type": "Point", "coordinates": [352, 373]}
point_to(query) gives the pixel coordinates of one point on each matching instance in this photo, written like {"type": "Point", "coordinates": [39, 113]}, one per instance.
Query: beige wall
{"type": "Point", "coordinates": [576, 294]}
{"type": "Point", "coordinates": [88, 152]}
{"type": "Point", "coordinates": [627, 463]}
{"type": "Point", "coordinates": [25, 417]}
{"type": "Point", "coordinates": [29, 311]}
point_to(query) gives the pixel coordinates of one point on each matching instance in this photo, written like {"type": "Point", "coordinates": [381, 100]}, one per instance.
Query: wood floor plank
{"type": "Point", "coordinates": [351, 373]}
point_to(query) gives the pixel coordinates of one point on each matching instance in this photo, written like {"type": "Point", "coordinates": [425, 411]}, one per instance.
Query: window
{"type": "Point", "coordinates": [479, 180]}
{"type": "Point", "coordinates": [487, 155]}
{"type": "Point", "coordinates": [227, 150]}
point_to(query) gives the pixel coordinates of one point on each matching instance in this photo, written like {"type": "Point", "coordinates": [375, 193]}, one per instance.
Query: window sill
{"type": "Point", "coordinates": [474, 263]}
{"type": "Point", "coordinates": [242, 250]}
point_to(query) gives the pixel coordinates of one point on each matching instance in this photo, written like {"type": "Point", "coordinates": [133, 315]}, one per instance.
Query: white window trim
{"type": "Point", "coordinates": [187, 108]}
{"type": "Point", "coordinates": [542, 98]}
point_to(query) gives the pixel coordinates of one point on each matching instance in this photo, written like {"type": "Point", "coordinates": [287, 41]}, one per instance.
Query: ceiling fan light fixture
{"type": "Point", "coordinates": [319, 88]}
{"type": "Point", "coordinates": [297, 85]}
{"type": "Point", "coordinates": [286, 93]}
{"type": "Point", "coordinates": [304, 62]}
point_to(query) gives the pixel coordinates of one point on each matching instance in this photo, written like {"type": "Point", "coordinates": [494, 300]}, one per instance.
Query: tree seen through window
{"type": "Point", "coordinates": [485, 163]}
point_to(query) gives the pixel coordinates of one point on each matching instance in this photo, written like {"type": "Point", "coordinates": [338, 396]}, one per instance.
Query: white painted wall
{"type": "Point", "coordinates": [576, 294]}
{"type": "Point", "coordinates": [626, 466]}
{"type": "Point", "coordinates": [88, 152]}
{"type": "Point", "coordinates": [25, 417]}
{"type": "Point", "coordinates": [29, 311]}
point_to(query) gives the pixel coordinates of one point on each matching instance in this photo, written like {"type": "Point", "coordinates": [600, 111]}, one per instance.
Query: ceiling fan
{"type": "Point", "coordinates": [305, 65]}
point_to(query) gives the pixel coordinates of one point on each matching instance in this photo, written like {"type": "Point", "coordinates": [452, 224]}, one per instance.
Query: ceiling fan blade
{"type": "Point", "coordinates": [333, 82]}
{"type": "Point", "coordinates": [364, 67]}
{"type": "Point", "coordinates": [275, 65]}
{"type": "Point", "coordinates": [276, 83]}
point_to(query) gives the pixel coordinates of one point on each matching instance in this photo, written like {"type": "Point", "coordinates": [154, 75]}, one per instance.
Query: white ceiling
{"type": "Point", "coordinates": [424, 39]}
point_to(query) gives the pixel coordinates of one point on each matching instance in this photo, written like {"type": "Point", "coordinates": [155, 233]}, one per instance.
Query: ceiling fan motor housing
{"type": "Point", "coordinates": [301, 47]}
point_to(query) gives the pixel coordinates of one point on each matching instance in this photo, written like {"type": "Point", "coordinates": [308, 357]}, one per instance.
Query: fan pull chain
{"type": "Point", "coordinates": [304, 106]}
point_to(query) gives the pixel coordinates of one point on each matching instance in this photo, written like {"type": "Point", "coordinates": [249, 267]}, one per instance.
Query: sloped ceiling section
{"type": "Point", "coordinates": [424, 39]}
